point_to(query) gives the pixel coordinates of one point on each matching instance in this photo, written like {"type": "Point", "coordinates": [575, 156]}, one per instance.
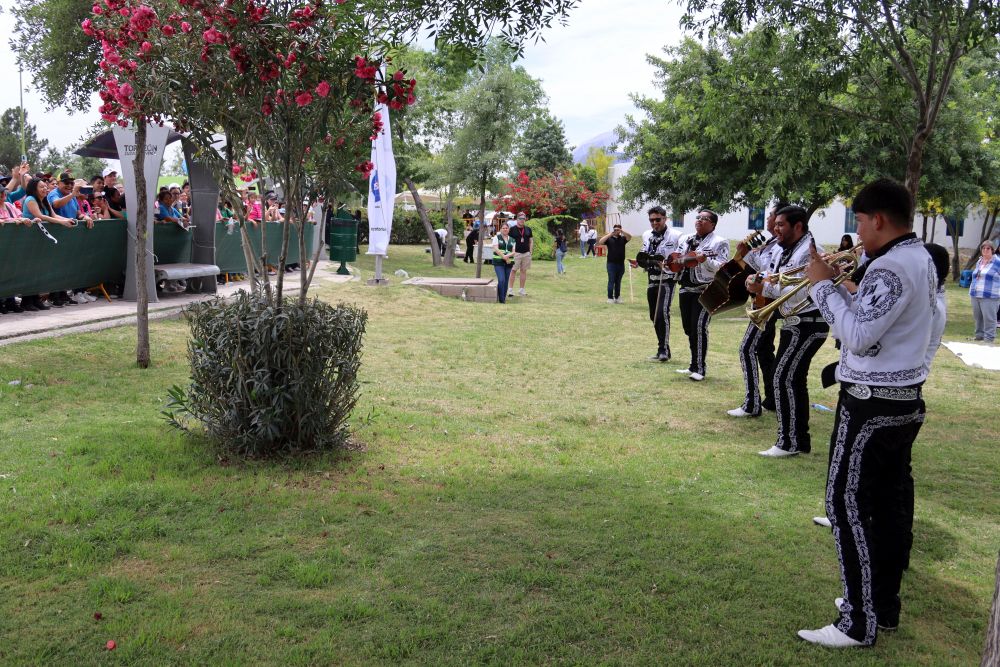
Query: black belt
{"type": "Point", "coordinates": [865, 391]}
{"type": "Point", "coordinates": [792, 320]}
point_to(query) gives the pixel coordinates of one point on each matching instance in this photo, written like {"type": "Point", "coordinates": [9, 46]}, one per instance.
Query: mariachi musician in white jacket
{"type": "Point", "coordinates": [803, 332]}
{"type": "Point", "coordinates": [706, 252]}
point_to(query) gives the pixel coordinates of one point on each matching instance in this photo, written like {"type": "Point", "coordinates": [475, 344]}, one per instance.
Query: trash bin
{"type": "Point", "coordinates": [343, 243]}
{"type": "Point", "coordinates": [966, 278]}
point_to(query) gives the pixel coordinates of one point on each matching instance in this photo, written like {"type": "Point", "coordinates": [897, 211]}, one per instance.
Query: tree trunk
{"type": "Point", "coordinates": [307, 277]}
{"type": "Point", "coordinates": [449, 253]}
{"type": "Point", "coordinates": [986, 234]}
{"type": "Point", "coordinates": [141, 256]}
{"type": "Point", "coordinates": [482, 230]}
{"type": "Point", "coordinates": [230, 192]}
{"type": "Point", "coordinates": [991, 652]}
{"type": "Point", "coordinates": [303, 259]}
{"type": "Point", "coordinates": [933, 228]}
{"type": "Point", "coordinates": [424, 218]}
{"type": "Point", "coordinates": [285, 231]}
{"type": "Point", "coordinates": [954, 251]}
{"type": "Point", "coordinates": [915, 161]}
{"type": "Point", "coordinates": [923, 234]}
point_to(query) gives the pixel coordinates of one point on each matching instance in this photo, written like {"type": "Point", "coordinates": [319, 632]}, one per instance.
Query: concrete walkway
{"type": "Point", "coordinates": [21, 327]}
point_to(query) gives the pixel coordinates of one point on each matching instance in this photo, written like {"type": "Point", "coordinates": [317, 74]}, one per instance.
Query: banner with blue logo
{"type": "Point", "coordinates": [381, 188]}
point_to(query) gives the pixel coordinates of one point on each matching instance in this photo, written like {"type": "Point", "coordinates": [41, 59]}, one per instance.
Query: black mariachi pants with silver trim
{"type": "Point", "coordinates": [756, 349]}
{"type": "Point", "coordinates": [797, 346]}
{"type": "Point", "coordinates": [869, 505]}
{"type": "Point", "coordinates": [695, 319]}
{"type": "Point", "coordinates": [659, 312]}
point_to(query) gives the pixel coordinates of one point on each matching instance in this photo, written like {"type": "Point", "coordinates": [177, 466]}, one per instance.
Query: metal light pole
{"type": "Point", "coordinates": [20, 86]}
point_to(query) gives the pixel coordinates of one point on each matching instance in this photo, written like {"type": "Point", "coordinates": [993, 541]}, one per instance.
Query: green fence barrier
{"type": "Point", "coordinates": [171, 243]}
{"type": "Point", "coordinates": [32, 264]}
{"type": "Point", "coordinates": [229, 249]}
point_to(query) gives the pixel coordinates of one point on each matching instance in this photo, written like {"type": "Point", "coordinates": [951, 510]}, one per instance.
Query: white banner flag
{"type": "Point", "coordinates": [381, 188]}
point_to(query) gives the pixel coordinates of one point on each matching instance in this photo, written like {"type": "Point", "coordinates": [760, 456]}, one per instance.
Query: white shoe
{"type": "Point", "coordinates": [839, 603]}
{"type": "Point", "coordinates": [777, 453]}
{"type": "Point", "coordinates": [829, 636]}
{"type": "Point", "coordinates": [822, 521]}
{"type": "Point", "coordinates": [611, 300]}
{"type": "Point", "coordinates": [619, 300]}
{"type": "Point", "coordinates": [739, 412]}
{"type": "Point", "coordinates": [89, 297]}
{"type": "Point", "coordinates": [79, 298]}
{"type": "Point", "coordinates": [683, 371]}
{"type": "Point", "coordinates": [697, 377]}
{"type": "Point", "coordinates": [510, 292]}
{"type": "Point", "coordinates": [521, 292]}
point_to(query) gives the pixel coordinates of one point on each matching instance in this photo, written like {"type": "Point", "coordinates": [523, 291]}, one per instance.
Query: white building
{"type": "Point", "coordinates": [827, 224]}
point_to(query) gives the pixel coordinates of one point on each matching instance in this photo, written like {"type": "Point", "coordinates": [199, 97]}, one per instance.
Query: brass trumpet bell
{"type": "Point", "coordinates": [847, 260]}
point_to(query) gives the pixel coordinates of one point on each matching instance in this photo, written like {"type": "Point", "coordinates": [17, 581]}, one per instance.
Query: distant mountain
{"type": "Point", "coordinates": [604, 140]}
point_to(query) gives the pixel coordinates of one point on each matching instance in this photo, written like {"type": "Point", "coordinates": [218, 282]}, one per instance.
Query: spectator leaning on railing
{"type": "Point", "coordinates": [64, 199]}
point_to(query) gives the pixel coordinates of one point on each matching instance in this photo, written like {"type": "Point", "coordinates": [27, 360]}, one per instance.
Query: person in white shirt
{"type": "Point", "coordinates": [583, 233]}
{"type": "Point", "coordinates": [885, 331]}
{"type": "Point", "coordinates": [661, 241]}
{"type": "Point", "coordinates": [707, 251]}
{"type": "Point", "coordinates": [803, 332]}
{"type": "Point", "coordinates": [757, 346]}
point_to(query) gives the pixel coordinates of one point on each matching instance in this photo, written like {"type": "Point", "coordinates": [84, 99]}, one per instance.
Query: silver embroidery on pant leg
{"type": "Point", "coordinates": [702, 324]}
{"type": "Point", "coordinates": [748, 361]}
{"type": "Point", "coordinates": [853, 516]}
{"type": "Point", "coordinates": [793, 437]}
{"type": "Point", "coordinates": [843, 421]}
{"type": "Point", "coordinates": [779, 369]}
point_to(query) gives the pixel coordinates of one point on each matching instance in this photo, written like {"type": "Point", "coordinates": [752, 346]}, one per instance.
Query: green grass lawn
{"type": "Point", "coordinates": [526, 489]}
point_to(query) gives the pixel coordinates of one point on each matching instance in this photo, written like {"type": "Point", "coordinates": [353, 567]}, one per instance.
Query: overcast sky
{"type": "Point", "coordinates": [588, 68]}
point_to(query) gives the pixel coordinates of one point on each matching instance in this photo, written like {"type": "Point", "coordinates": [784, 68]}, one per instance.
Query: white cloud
{"type": "Point", "coordinates": [61, 128]}
{"type": "Point", "coordinates": [591, 66]}
{"type": "Point", "coordinates": [588, 69]}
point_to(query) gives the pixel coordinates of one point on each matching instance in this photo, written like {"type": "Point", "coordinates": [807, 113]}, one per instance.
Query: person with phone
{"type": "Point", "coordinates": [615, 242]}
{"type": "Point", "coordinates": [64, 199]}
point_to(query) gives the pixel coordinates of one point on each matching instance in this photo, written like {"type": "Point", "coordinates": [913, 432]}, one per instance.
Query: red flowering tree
{"type": "Point", "coordinates": [548, 194]}
{"type": "Point", "coordinates": [279, 78]}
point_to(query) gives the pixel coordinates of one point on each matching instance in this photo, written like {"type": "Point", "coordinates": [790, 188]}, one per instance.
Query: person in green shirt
{"type": "Point", "coordinates": [503, 260]}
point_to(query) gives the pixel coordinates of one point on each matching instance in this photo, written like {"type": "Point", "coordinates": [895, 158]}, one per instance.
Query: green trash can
{"type": "Point", "coordinates": [343, 243]}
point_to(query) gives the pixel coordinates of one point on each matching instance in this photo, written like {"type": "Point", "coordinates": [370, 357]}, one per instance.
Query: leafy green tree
{"type": "Point", "coordinates": [427, 126]}
{"type": "Point", "coordinates": [10, 140]}
{"type": "Point", "coordinates": [543, 146]}
{"type": "Point", "coordinates": [894, 45]}
{"type": "Point", "coordinates": [680, 157]}
{"type": "Point", "coordinates": [493, 108]}
{"type": "Point", "coordinates": [752, 117]}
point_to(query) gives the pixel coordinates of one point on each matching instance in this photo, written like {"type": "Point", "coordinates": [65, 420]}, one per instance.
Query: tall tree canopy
{"type": "Point", "coordinates": [909, 45]}
{"type": "Point", "coordinates": [543, 146]}
{"type": "Point", "coordinates": [10, 140]}
{"type": "Point", "coordinates": [751, 117]}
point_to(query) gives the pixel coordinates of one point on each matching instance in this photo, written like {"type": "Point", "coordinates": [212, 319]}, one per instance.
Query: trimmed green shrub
{"type": "Point", "coordinates": [545, 241]}
{"type": "Point", "coordinates": [266, 382]}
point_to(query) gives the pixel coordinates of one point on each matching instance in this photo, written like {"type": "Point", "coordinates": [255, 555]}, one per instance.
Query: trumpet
{"type": "Point", "coordinates": [847, 260]}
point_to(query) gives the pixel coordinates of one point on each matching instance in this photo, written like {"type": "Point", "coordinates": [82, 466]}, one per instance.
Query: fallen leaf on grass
{"type": "Point", "coordinates": [98, 615]}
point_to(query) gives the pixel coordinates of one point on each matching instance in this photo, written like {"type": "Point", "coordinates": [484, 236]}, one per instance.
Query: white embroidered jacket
{"type": "Point", "coordinates": [667, 245]}
{"type": "Point", "coordinates": [714, 244]}
{"type": "Point", "coordinates": [799, 257]}
{"type": "Point", "coordinates": [885, 329]}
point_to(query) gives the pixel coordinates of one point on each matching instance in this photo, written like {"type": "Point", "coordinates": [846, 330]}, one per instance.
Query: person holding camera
{"type": "Point", "coordinates": [64, 199]}
{"type": "Point", "coordinates": [503, 259]}
{"type": "Point", "coordinates": [615, 242]}
{"type": "Point", "coordinates": [524, 243]}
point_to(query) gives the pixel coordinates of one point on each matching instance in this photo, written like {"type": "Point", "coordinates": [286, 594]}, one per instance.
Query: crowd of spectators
{"type": "Point", "coordinates": [37, 198]}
